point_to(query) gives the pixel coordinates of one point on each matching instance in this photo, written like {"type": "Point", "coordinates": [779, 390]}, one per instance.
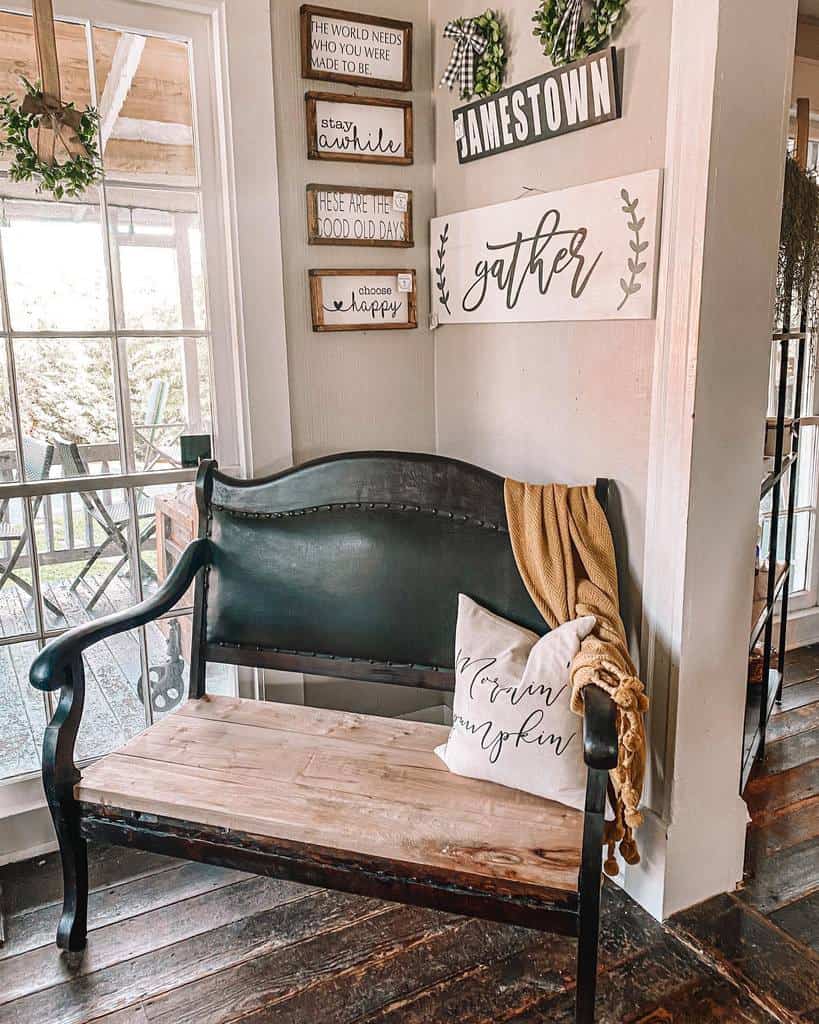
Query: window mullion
{"type": "Point", "coordinates": [114, 289]}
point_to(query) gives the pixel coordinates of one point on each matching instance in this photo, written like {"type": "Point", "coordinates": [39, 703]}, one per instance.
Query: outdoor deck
{"type": "Point", "coordinates": [114, 711]}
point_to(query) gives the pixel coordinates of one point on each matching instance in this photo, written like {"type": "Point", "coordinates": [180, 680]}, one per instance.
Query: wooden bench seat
{"type": "Point", "coordinates": [348, 567]}
{"type": "Point", "coordinates": [353, 786]}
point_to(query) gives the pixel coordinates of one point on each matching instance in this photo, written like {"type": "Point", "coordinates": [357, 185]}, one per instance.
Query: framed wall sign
{"type": "Point", "coordinates": [564, 100]}
{"type": "Point", "coordinates": [348, 215]}
{"type": "Point", "coordinates": [359, 49]}
{"type": "Point", "coordinates": [359, 128]}
{"type": "Point", "coordinates": [584, 253]}
{"type": "Point", "coordinates": [363, 300]}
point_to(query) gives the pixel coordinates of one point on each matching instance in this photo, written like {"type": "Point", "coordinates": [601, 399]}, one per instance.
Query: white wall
{"type": "Point", "coordinates": [371, 389]}
{"type": "Point", "coordinates": [555, 401]}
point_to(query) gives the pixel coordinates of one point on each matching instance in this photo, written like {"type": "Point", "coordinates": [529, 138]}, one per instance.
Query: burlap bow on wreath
{"type": "Point", "coordinates": [51, 142]}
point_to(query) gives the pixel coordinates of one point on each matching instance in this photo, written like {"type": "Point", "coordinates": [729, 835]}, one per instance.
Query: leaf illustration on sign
{"type": "Point", "coordinates": [440, 270]}
{"type": "Point", "coordinates": [635, 265]}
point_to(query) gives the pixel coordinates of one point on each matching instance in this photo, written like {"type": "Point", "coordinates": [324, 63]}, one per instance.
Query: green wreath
{"type": "Point", "coordinates": [67, 178]}
{"type": "Point", "coordinates": [491, 66]}
{"type": "Point", "coordinates": [592, 32]}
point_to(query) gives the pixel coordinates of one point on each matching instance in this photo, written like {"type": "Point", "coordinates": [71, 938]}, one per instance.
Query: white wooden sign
{"type": "Point", "coordinates": [360, 128]}
{"type": "Point", "coordinates": [359, 49]}
{"type": "Point", "coordinates": [584, 253]}
{"type": "Point", "coordinates": [347, 215]}
{"type": "Point", "coordinates": [362, 300]}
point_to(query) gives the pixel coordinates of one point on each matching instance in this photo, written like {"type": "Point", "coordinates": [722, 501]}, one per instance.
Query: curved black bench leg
{"type": "Point", "coordinates": [73, 926]}
{"type": "Point", "coordinates": [60, 775]}
{"type": "Point", "coordinates": [591, 867]}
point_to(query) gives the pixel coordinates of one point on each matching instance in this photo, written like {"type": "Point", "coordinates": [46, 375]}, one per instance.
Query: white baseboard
{"type": "Point", "coordinates": [803, 628]}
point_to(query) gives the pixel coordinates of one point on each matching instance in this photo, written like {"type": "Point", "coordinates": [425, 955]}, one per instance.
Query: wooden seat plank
{"type": "Point", "coordinates": [364, 786]}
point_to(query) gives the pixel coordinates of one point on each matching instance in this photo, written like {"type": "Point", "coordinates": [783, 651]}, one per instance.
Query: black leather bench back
{"type": "Point", "coordinates": [352, 565]}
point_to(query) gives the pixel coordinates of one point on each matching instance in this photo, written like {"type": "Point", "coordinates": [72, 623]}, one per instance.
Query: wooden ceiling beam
{"type": "Point", "coordinates": [127, 56]}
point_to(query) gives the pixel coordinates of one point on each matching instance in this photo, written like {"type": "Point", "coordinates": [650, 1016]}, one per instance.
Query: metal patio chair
{"type": "Point", "coordinates": [113, 519]}
{"type": "Point", "coordinates": [37, 460]}
{"type": "Point", "coordinates": [150, 431]}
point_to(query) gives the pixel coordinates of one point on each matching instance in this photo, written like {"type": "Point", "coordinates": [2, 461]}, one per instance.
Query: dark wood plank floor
{"type": "Point", "coordinates": [182, 943]}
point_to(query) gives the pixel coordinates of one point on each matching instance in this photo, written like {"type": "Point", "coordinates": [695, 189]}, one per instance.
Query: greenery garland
{"type": "Point", "coordinates": [68, 179]}
{"type": "Point", "coordinates": [491, 65]}
{"type": "Point", "coordinates": [592, 32]}
{"type": "Point", "coordinates": [798, 270]}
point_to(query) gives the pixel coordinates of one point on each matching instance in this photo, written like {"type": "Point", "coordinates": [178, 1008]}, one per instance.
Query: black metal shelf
{"type": "Point", "coordinates": [780, 484]}
{"type": "Point", "coordinates": [751, 734]}
{"type": "Point", "coordinates": [768, 610]}
{"type": "Point", "coordinates": [776, 475]}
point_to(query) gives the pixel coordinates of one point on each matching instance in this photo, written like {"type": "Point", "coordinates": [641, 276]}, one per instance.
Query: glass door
{"type": "Point", "coordinates": [113, 332]}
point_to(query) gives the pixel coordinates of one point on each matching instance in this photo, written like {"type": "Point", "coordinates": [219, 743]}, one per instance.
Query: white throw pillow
{"type": "Point", "coordinates": [511, 720]}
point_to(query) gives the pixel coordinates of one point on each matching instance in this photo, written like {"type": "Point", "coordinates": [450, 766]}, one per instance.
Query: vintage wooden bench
{"type": "Point", "coordinates": [348, 566]}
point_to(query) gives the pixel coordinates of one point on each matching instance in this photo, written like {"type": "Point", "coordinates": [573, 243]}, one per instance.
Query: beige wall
{"type": "Point", "coordinates": [352, 390]}
{"type": "Point", "coordinates": [555, 401]}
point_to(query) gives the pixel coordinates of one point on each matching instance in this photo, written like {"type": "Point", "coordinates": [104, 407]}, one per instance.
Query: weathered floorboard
{"type": "Point", "coordinates": [36, 928]}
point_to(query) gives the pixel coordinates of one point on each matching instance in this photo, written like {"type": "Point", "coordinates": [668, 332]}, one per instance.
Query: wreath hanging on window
{"type": "Point", "coordinates": [477, 64]}
{"type": "Point", "coordinates": [566, 35]}
{"type": "Point", "coordinates": [51, 142]}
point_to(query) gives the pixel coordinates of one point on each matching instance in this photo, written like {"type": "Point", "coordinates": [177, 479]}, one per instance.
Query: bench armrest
{"type": "Point", "coordinates": [49, 669]}
{"type": "Point", "coordinates": [599, 729]}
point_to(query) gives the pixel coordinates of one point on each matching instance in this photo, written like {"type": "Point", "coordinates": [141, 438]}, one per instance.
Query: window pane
{"type": "Point", "coordinates": [17, 615]}
{"type": "Point", "coordinates": [83, 547]}
{"type": "Point", "coordinates": [146, 121]}
{"type": "Point", "coordinates": [8, 451]}
{"type": "Point", "coordinates": [169, 390]}
{"type": "Point", "coordinates": [55, 266]}
{"type": "Point", "coordinates": [801, 552]}
{"type": "Point", "coordinates": [175, 522]}
{"type": "Point", "coordinates": [22, 712]}
{"type": "Point", "coordinates": [114, 711]}
{"type": "Point", "coordinates": [17, 60]}
{"type": "Point", "coordinates": [806, 485]}
{"type": "Point", "coordinates": [169, 645]}
{"type": "Point", "coordinates": [66, 398]}
{"type": "Point", "coordinates": [158, 253]}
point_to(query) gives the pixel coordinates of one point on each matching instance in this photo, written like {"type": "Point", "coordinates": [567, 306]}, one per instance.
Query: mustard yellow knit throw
{"type": "Point", "coordinates": [565, 556]}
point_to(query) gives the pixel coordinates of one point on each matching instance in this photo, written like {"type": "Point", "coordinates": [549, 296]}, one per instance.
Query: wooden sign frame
{"type": "Point", "coordinates": [306, 13]}
{"type": "Point", "coordinates": [313, 151]}
{"type": "Point", "coordinates": [314, 238]}
{"type": "Point", "coordinates": [317, 305]}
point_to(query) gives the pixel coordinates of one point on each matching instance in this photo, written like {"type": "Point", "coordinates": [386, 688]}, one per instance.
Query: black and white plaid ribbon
{"type": "Point", "coordinates": [570, 22]}
{"type": "Point", "coordinates": [470, 43]}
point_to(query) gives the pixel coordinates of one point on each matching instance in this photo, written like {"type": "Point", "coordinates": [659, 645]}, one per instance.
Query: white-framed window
{"type": "Point", "coordinates": [804, 578]}
{"type": "Point", "coordinates": [115, 342]}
